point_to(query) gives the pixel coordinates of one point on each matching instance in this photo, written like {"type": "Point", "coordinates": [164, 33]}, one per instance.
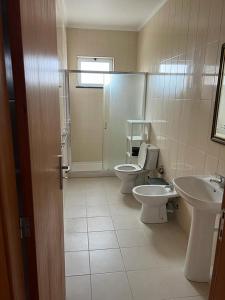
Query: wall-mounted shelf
{"type": "Point", "coordinates": [137, 132]}
{"type": "Point", "coordinates": [138, 122]}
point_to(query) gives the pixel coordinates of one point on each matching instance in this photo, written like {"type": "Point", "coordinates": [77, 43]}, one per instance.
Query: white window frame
{"type": "Point", "coordinates": [81, 59]}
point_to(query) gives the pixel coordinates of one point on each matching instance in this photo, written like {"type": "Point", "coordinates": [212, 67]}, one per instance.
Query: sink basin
{"type": "Point", "coordinates": [199, 192]}
{"type": "Point", "coordinates": [205, 197]}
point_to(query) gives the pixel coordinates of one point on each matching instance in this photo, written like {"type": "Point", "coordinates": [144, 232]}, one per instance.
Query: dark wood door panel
{"type": "Point", "coordinates": [41, 65]}
{"type": "Point", "coordinates": [35, 71]}
{"type": "Point", "coordinates": [217, 290]}
{"type": "Point", "coordinates": [12, 284]}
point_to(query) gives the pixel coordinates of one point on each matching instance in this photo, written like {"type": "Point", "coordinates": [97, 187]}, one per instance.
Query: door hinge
{"type": "Point", "coordinates": [221, 228]}
{"type": "Point", "coordinates": [24, 227]}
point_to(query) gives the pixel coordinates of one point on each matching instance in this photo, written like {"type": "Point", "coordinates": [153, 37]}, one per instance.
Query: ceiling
{"type": "Point", "coordinates": [110, 14]}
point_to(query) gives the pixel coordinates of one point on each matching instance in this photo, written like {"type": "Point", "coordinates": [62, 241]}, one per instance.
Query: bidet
{"type": "Point", "coordinates": [153, 199]}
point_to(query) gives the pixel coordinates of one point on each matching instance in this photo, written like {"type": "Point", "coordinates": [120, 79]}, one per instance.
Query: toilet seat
{"type": "Point", "coordinates": [128, 173]}
{"type": "Point", "coordinates": [128, 168]}
{"type": "Point", "coordinates": [133, 168]}
{"type": "Point", "coordinates": [142, 155]}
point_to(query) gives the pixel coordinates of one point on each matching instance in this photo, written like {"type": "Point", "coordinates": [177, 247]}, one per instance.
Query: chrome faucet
{"type": "Point", "coordinates": [170, 186]}
{"type": "Point", "coordinates": [219, 179]}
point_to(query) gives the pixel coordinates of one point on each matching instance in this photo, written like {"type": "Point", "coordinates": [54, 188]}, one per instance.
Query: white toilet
{"type": "Point", "coordinates": [147, 161]}
{"type": "Point", "coordinates": [153, 199]}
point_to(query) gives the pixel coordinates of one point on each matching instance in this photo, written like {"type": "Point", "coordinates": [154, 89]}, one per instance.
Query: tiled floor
{"type": "Point", "coordinates": [111, 255]}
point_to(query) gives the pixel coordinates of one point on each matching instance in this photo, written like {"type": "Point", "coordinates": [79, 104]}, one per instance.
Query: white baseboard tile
{"type": "Point", "coordinates": [86, 166]}
{"type": "Point", "coordinates": [89, 169]}
{"type": "Point", "coordinates": [83, 174]}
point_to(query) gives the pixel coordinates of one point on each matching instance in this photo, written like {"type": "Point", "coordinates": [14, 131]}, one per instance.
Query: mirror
{"type": "Point", "coordinates": [218, 128]}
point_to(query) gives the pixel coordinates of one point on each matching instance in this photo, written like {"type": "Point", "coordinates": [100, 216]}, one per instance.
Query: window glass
{"type": "Point", "coordinates": [93, 64]}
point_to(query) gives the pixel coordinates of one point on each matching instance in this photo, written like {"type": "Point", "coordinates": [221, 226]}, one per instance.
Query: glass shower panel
{"type": "Point", "coordinates": [124, 99]}
{"type": "Point", "coordinates": [86, 104]}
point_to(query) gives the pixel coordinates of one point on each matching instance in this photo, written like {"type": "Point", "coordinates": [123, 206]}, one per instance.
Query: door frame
{"type": "Point", "coordinates": [217, 287]}
{"type": "Point", "coordinates": [12, 284]}
{"type": "Point", "coordinates": [22, 136]}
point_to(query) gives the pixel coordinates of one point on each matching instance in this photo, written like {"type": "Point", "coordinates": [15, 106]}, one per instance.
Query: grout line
{"type": "Point", "coordinates": [124, 271]}
{"type": "Point", "coordinates": [131, 292]}
{"type": "Point", "coordinates": [75, 251]}
{"type": "Point", "coordinates": [99, 273]}
{"type": "Point", "coordinates": [74, 218]}
{"type": "Point", "coordinates": [89, 259]}
{"type": "Point", "coordinates": [80, 275]}
{"type": "Point", "coordinates": [91, 250]}
{"type": "Point", "coordinates": [103, 230]}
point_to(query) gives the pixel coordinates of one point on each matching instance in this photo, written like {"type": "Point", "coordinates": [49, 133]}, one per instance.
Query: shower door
{"type": "Point", "coordinates": [124, 99]}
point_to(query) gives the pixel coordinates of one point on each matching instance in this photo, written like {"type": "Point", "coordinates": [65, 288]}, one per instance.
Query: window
{"type": "Point", "coordinates": [93, 64]}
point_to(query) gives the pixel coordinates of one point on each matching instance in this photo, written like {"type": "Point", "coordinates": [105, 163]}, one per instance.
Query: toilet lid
{"type": "Point", "coordinates": [142, 155]}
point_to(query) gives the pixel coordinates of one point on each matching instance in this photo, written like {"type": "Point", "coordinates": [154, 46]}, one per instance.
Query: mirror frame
{"type": "Point", "coordinates": [218, 96]}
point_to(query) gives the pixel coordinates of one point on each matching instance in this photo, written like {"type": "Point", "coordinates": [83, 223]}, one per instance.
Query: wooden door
{"type": "Point", "coordinates": [32, 30]}
{"type": "Point", "coordinates": [12, 284]}
{"type": "Point", "coordinates": [217, 290]}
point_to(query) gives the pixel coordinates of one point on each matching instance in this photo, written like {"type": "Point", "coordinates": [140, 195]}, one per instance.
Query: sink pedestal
{"type": "Point", "coordinates": [199, 251]}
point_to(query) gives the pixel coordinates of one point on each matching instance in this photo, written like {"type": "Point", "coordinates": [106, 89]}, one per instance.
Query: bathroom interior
{"type": "Point", "coordinates": [143, 146]}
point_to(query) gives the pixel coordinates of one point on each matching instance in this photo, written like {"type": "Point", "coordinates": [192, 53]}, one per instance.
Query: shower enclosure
{"type": "Point", "coordinates": [124, 99]}
{"type": "Point", "coordinates": [98, 117]}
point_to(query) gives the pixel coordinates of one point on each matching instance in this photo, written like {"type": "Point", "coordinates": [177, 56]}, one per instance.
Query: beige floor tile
{"type": "Point", "coordinates": [170, 230]}
{"type": "Point", "coordinates": [110, 286]}
{"type": "Point", "coordinates": [102, 240]}
{"type": "Point", "coordinates": [74, 198]}
{"type": "Point", "coordinates": [192, 298]}
{"type": "Point", "coordinates": [94, 185]}
{"type": "Point", "coordinates": [75, 211]}
{"type": "Point", "coordinates": [78, 288]}
{"type": "Point", "coordinates": [111, 180]}
{"type": "Point", "coordinates": [114, 196]}
{"type": "Point", "coordinates": [103, 261]}
{"type": "Point", "coordinates": [75, 225]}
{"type": "Point", "coordinates": [74, 186]}
{"type": "Point", "coordinates": [140, 258]}
{"type": "Point", "coordinates": [128, 199]}
{"type": "Point", "coordinates": [169, 241]}
{"type": "Point", "coordinates": [96, 200]}
{"type": "Point", "coordinates": [153, 254]}
{"type": "Point", "coordinates": [74, 189]}
{"type": "Point", "coordinates": [163, 283]}
{"type": "Point", "coordinates": [126, 222]}
{"type": "Point", "coordinates": [132, 237]}
{"type": "Point", "coordinates": [100, 223]}
{"type": "Point", "coordinates": [68, 203]}
{"type": "Point", "coordinates": [76, 241]}
{"type": "Point", "coordinates": [121, 210]}
{"type": "Point", "coordinates": [77, 263]}
{"type": "Point", "coordinates": [98, 211]}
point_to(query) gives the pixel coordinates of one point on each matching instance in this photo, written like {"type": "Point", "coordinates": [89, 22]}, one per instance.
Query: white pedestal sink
{"type": "Point", "coordinates": [206, 199]}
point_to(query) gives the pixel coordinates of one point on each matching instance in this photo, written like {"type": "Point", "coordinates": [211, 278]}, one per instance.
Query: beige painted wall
{"type": "Point", "coordinates": [185, 36]}
{"type": "Point", "coordinates": [87, 104]}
